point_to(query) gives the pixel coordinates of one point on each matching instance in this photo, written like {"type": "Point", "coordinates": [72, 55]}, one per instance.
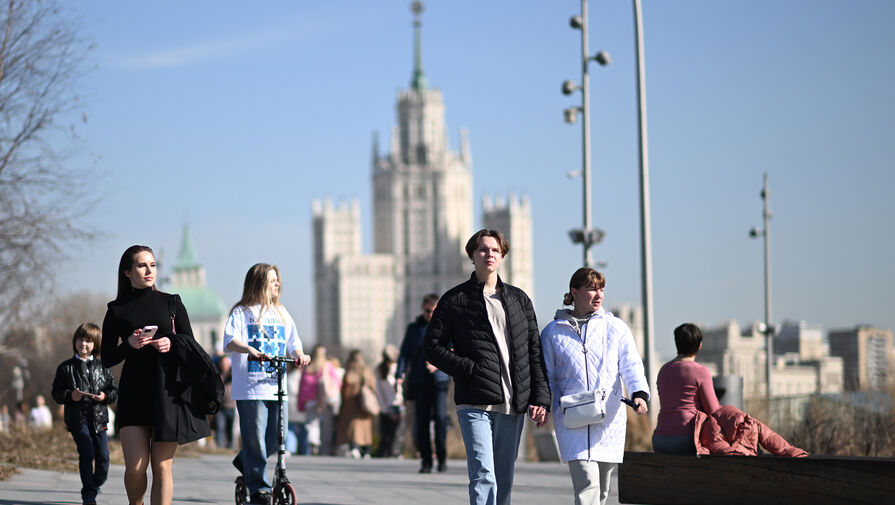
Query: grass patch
{"type": "Point", "coordinates": [55, 450]}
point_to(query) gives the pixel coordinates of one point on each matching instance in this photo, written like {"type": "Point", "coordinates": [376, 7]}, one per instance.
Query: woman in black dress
{"type": "Point", "coordinates": [150, 423]}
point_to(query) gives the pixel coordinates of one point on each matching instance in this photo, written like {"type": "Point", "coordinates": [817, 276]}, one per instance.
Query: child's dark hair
{"type": "Point", "coordinates": [90, 333]}
{"type": "Point", "coordinates": [687, 338]}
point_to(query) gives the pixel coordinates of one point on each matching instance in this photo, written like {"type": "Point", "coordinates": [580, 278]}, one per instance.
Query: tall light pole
{"type": "Point", "coordinates": [587, 236]}
{"type": "Point", "coordinates": [646, 258]}
{"type": "Point", "coordinates": [768, 329]}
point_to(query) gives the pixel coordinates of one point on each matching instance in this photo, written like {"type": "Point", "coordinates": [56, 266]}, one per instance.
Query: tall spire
{"type": "Point", "coordinates": [418, 83]}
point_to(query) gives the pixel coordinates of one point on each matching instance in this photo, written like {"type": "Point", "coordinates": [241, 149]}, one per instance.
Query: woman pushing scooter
{"type": "Point", "coordinates": [259, 327]}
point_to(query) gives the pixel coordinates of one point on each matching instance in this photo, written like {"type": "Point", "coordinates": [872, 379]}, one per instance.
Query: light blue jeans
{"type": "Point", "coordinates": [258, 425]}
{"type": "Point", "coordinates": [492, 442]}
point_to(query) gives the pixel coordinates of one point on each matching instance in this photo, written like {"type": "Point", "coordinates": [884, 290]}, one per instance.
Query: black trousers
{"type": "Point", "coordinates": [430, 404]}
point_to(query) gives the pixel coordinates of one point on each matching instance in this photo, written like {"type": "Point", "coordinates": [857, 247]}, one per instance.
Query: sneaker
{"type": "Point", "coordinates": [237, 462]}
{"type": "Point", "coordinates": [260, 498]}
{"type": "Point", "coordinates": [442, 466]}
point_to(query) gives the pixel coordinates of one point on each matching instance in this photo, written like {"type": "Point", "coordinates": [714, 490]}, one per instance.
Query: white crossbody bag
{"type": "Point", "coordinates": [586, 407]}
{"type": "Point", "coordinates": [581, 409]}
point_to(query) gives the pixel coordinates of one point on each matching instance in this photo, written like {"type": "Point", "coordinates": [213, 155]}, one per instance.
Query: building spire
{"type": "Point", "coordinates": [418, 83]}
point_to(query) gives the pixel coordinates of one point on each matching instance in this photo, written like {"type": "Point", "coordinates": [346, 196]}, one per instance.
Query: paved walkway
{"type": "Point", "coordinates": [317, 480]}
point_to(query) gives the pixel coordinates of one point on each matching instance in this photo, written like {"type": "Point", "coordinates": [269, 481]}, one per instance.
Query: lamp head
{"type": "Point", "coordinates": [603, 58]}
{"type": "Point", "coordinates": [570, 114]}
{"type": "Point", "coordinates": [568, 87]}
{"type": "Point", "coordinates": [576, 22]}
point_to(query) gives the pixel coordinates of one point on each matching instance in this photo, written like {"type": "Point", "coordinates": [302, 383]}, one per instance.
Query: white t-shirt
{"type": "Point", "coordinates": [269, 334]}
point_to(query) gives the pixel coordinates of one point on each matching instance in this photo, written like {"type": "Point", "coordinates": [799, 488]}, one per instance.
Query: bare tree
{"type": "Point", "coordinates": [41, 57]}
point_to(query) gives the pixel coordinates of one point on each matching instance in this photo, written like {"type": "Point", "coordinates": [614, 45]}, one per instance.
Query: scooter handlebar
{"type": "Point", "coordinates": [276, 359]}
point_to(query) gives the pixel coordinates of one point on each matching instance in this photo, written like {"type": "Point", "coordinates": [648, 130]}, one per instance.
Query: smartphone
{"type": "Point", "coordinates": [629, 402]}
{"type": "Point", "coordinates": [149, 331]}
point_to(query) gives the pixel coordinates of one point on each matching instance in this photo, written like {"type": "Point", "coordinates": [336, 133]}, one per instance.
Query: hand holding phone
{"type": "Point", "coordinates": [149, 331]}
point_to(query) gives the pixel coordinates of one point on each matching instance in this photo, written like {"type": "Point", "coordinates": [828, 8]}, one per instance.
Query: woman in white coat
{"type": "Point", "coordinates": [588, 349]}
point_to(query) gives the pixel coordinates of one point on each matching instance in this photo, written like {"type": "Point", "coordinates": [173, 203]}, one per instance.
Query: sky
{"type": "Point", "coordinates": [232, 117]}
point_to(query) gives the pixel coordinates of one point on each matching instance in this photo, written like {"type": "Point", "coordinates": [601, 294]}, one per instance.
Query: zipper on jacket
{"type": "Point", "coordinates": [583, 335]}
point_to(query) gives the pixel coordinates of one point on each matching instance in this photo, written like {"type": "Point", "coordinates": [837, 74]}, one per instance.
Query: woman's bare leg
{"type": "Point", "coordinates": [162, 475]}
{"type": "Point", "coordinates": [135, 446]}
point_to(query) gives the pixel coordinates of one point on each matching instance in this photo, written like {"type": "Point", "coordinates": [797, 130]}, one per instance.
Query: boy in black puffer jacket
{"type": "Point", "coordinates": [86, 388]}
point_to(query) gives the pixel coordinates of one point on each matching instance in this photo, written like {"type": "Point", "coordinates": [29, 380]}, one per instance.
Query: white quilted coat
{"type": "Point", "coordinates": [612, 357]}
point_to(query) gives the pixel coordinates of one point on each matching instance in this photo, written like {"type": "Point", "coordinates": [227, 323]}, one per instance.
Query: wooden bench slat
{"type": "Point", "coordinates": [660, 479]}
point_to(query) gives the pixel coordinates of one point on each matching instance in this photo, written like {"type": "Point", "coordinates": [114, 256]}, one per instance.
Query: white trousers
{"type": "Point", "coordinates": [590, 481]}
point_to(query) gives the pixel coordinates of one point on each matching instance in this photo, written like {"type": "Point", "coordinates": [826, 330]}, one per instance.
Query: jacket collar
{"type": "Point", "coordinates": [474, 284]}
{"type": "Point", "coordinates": [565, 316]}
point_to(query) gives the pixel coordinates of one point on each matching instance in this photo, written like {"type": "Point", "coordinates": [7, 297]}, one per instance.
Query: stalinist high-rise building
{"type": "Point", "coordinates": [422, 217]}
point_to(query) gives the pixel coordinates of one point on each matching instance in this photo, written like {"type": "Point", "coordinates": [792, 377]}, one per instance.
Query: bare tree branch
{"type": "Point", "coordinates": [41, 197]}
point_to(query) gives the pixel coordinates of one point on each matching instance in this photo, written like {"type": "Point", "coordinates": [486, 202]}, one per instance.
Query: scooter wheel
{"type": "Point", "coordinates": [284, 494]}
{"type": "Point", "coordinates": [240, 494]}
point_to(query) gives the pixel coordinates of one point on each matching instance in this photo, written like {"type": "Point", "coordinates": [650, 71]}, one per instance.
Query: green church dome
{"type": "Point", "coordinates": [201, 303]}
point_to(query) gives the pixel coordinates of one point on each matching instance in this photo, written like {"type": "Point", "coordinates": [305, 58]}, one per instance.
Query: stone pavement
{"type": "Point", "coordinates": [317, 480]}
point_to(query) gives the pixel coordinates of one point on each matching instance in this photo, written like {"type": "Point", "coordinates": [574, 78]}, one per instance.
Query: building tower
{"type": "Point", "coordinates": [513, 219]}
{"type": "Point", "coordinates": [422, 218]}
{"type": "Point", "coordinates": [207, 310]}
{"type": "Point", "coordinates": [422, 194]}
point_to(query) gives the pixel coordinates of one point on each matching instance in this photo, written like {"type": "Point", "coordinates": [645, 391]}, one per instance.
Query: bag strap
{"type": "Point", "coordinates": [172, 309]}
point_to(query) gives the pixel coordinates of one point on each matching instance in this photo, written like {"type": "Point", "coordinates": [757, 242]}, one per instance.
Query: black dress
{"type": "Point", "coordinates": [145, 395]}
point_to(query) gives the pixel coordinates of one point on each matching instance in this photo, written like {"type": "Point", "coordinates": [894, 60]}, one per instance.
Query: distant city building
{"type": "Point", "coordinates": [801, 338]}
{"type": "Point", "coordinates": [736, 352]}
{"type": "Point", "coordinates": [800, 367]}
{"type": "Point", "coordinates": [206, 309]}
{"type": "Point", "coordinates": [868, 355]}
{"type": "Point", "coordinates": [422, 218]}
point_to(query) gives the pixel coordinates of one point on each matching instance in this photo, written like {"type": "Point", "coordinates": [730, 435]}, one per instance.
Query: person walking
{"type": "Point", "coordinates": [354, 426]}
{"type": "Point", "coordinates": [588, 349]}
{"type": "Point", "coordinates": [484, 334]}
{"type": "Point", "coordinates": [427, 387]}
{"type": "Point", "coordinates": [135, 331]}
{"type": "Point", "coordinates": [391, 409]}
{"type": "Point", "coordinates": [260, 327]}
{"type": "Point", "coordinates": [86, 388]}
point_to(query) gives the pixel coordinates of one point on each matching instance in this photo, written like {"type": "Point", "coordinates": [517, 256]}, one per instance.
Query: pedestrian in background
{"type": "Point", "coordinates": [427, 387]}
{"type": "Point", "coordinates": [226, 416]}
{"type": "Point", "coordinates": [390, 402]}
{"type": "Point", "coordinates": [355, 426]}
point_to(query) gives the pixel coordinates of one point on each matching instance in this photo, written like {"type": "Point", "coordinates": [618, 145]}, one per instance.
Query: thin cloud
{"type": "Point", "coordinates": [209, 51]}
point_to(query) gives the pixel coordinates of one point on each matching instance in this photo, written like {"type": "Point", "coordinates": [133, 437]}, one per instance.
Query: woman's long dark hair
{"type": "Point", "coordinates": [126, 263]}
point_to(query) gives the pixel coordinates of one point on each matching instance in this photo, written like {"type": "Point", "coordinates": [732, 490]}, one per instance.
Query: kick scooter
{"type": "Point", "coordinates": [283, 493]}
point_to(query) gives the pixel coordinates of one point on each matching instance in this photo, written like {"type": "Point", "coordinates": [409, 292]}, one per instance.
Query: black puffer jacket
{"type": "Point", "coordinates": [68, 378]}
{"type": "Point", "coordinates": [460, 341]}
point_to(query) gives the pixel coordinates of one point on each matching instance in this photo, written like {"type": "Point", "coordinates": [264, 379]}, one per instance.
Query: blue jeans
{"type": "Point", "coordinates": [93, 459]}
{"type": "Point", "coordinates": [258, 425]}
{"type": "Point", "coordinates": [492, 442]}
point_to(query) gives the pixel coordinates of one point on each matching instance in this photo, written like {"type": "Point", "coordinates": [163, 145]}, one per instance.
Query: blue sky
{"type": "Point", "coordinates": [233, 116]}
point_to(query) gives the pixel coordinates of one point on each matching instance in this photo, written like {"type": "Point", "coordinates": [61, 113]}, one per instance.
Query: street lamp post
{"type": "Point", "coordinates": [587, 236]}
{"type": "Point", "coordinates": [768, 329]}
{"type": "Point", "coordinates": [646, 259]}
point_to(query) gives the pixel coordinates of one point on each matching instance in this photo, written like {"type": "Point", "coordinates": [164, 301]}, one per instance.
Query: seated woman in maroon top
{"type": "Point", "coordinates": [685, 387]}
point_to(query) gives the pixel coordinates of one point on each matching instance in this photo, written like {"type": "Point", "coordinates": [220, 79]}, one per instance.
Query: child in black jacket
{"type": "Point", "coordinates": [86, 388]}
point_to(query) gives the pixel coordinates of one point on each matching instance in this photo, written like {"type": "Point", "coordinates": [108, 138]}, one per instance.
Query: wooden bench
{"type": "Point", "coordinates": [660, 479]}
